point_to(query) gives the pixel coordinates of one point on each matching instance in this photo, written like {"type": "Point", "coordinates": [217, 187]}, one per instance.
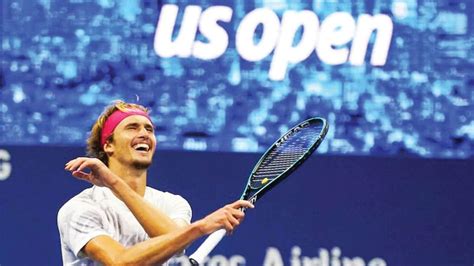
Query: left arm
{"type": "Point", "coordinates": [154, 221]}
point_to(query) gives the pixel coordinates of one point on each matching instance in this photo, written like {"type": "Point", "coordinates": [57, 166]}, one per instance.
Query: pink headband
{"type": "Point", "coordinates": [114, 119]}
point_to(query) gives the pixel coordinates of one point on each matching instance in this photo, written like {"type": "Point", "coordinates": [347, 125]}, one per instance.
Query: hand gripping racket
{"type": "Point", "coordinates": [278, 162]}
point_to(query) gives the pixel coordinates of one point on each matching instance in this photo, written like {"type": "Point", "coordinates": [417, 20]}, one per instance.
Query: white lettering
{"type": "Point", "coordinates": [357, 261]}
{"type": "Point", "coordinates": [336, 30]}
{"type": "Point", "coordinates": [244, 39]}
{"type": "Point", "coordinates": [217, 36]}
{"type": "Point", "coordinates": [377, 262]}
{"type": "Point", "coordinates": [218, 260]}
{"type": "Point", "coordinates": [326, 258]}
{"type": "Point", "coordinates": [366, 24]}
{"type": "Point", "coordinates": [5, 166]}
{"type": "Point", "coordinates": [295, 256]}
{"type": "Point", "coordinates": [273, 257]}
{"type": "Point", "coordinates": [322, 260]}
{"type": "Point", "coordinates": [236, 260]}
{"type": "Point", "coordinates": [330, 40]}
{"type": "Point", "coordinates": [323, 257]}
{"type": "Point", "coordinates": [285, 52]}
{"type": "Point", "coordinates": [336, 253]}
{"type": "Point", "coordinates": [182, 45]}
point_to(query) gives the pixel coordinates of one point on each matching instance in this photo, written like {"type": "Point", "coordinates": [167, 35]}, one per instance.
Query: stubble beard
{"type": "Point", "coordinates": [141, 165]}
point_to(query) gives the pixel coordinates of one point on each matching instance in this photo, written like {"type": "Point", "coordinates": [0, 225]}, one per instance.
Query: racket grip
{"type": "Point", "coordinates": [206, 247]}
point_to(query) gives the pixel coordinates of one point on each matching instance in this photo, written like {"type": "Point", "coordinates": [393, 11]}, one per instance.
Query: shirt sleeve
{"type": "Point", "coordinates": [180, 208]}
{"type": "Point", "coordinates": [79, 223]}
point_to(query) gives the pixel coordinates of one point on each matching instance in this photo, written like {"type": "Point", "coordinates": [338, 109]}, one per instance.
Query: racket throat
{"type": "Point", "coordinates": [253, 199]}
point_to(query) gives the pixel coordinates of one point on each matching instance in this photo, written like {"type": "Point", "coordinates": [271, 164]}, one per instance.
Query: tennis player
{"type": "Point", "coordinates": [120, 220]}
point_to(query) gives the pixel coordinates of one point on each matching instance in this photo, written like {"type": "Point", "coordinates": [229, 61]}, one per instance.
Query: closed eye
{"type": "Point", "coordinates": [131, 127]}
{"type": "Point", "coordinates": [149, 128]}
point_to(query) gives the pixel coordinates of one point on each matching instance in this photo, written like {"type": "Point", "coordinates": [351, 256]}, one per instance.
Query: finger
{"type": "Point", "coordinates": [242, 204]}
{"type": "Point", "coordinates": [232, 216]}
{"type": "Point", "coordinates": [245, 204]}
{"type": "Point", "coordinates": [87, 163]}
{"type": "Point", "coordinates": [71, 161]}
{"type": "Point", "coordinates": [234, 221]}
{"type": "Point", "coordinates": [81, 166]}
{"type": "Point", "coordinates": [88, 178]}
{"type": "Point", "coordinates": [81, 175]}
{"type": "Point", "coordinates": [68, 164]}
{"type": "Point", "coordinates": [75, 163]}
{"type": "Point", "coordinates": [228, 226]}
{"type": "Point", "coordinates": [238, 214]}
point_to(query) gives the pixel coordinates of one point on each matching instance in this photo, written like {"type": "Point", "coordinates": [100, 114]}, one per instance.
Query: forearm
{"type": "Point", "coordinates": [160, 249]}
{"type": "Point", "coordinates": [108, 251]}
{"type": "Point", "coordinates": [153, 220]}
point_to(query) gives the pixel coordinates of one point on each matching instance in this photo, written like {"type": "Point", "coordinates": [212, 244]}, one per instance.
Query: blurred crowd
{"type": "Point", "coordinates": [64, 61]}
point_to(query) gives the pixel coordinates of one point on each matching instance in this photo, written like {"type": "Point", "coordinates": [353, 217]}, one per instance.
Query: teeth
{"type": "Point", "coordinates": [141, 146]}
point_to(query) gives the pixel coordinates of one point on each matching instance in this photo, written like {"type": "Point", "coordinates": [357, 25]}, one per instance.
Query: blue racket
{"type": "Point", "coordinates": [277, 163]}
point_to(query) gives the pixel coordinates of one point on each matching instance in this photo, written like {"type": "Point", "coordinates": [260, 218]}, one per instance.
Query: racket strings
{"type": "Point", "coordinates": [281, 158]}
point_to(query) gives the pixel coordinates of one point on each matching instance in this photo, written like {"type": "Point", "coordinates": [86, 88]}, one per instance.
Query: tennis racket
{"type": "Point", "coordinates": [277, 163]}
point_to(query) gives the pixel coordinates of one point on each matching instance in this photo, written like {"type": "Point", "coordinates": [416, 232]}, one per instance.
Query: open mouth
{"type": "Point", "coordinates": [143, 147]}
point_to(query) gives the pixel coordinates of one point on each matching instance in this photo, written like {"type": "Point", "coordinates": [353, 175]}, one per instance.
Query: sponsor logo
{"type": "Point", "coordinates": [291, 133]}
{"type": "Point", "coordinates": [273, 256]}
{"type": "Point", "coordinates": [5, 165]}
{"type": "Point", "coordinates": [253, 199]}
{"type": "Point", "coordinates": [338, 39]}
{"type": "Point", "coordinates": [325, 257]}
{"type": "Point", "coordinates": [215, 260]}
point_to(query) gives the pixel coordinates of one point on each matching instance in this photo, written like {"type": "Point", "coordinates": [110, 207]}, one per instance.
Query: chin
{"type": "Point", "coordinates": [144, 164]}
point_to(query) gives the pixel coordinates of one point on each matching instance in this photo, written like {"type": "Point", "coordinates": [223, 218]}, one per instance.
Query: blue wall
{"type": "Point", "coordinates": [404, 211]}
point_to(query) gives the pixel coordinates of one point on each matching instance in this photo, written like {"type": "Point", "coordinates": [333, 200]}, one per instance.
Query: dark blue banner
{"type": "Point", "coordinates": [392, 77]}
{"type": "Point", "coordinates": [334, 209]}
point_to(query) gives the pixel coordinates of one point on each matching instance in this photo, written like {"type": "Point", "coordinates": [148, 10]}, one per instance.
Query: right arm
{"type": "Point", "coordinates": [154, 221]}
{"type": "Point", "coordinates": [159, 249]}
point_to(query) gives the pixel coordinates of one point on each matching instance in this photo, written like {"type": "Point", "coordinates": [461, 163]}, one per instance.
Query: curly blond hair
{"type": "Point", "coordinates": [94, 148]}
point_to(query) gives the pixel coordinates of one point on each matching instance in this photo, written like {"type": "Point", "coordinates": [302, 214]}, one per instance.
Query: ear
{"type": "Point", "coordinates": [108, 147]}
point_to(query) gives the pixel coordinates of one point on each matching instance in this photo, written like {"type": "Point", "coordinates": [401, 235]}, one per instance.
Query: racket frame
{"type": "Point", "coordinates": [261, 191]}
{"type": "Point", "coordinates": [212, 240]}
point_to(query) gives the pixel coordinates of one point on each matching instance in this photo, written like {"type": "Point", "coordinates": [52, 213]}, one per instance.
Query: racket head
{"type": "Point", "coordinates": [284, 156]}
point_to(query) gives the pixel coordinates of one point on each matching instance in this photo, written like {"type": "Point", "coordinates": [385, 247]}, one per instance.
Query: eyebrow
{"type": "Point", "coordinates": [134, 124]}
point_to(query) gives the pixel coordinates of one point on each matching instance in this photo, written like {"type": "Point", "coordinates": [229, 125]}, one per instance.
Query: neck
{"type": "Point", "coordinates": [135, 178]}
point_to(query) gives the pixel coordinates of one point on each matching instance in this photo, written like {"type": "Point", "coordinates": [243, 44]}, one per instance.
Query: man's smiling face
{"type": "Point", "coordinates": [133, 143]}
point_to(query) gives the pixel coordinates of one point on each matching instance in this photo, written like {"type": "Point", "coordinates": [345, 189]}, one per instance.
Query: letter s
{"type": "Point", "coordinates": [217, 36]}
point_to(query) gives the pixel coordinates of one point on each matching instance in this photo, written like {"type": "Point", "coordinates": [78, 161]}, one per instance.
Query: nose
{"type": "Point", "coordinates": [143, 131]}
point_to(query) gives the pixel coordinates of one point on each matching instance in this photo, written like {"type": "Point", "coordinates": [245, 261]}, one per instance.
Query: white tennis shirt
{"type": "Point", "coordinates": [97, 211]}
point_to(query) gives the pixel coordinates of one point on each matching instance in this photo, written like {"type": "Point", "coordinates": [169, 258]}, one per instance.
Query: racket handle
{"type": "Point", "coordinates": [206, 247]}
